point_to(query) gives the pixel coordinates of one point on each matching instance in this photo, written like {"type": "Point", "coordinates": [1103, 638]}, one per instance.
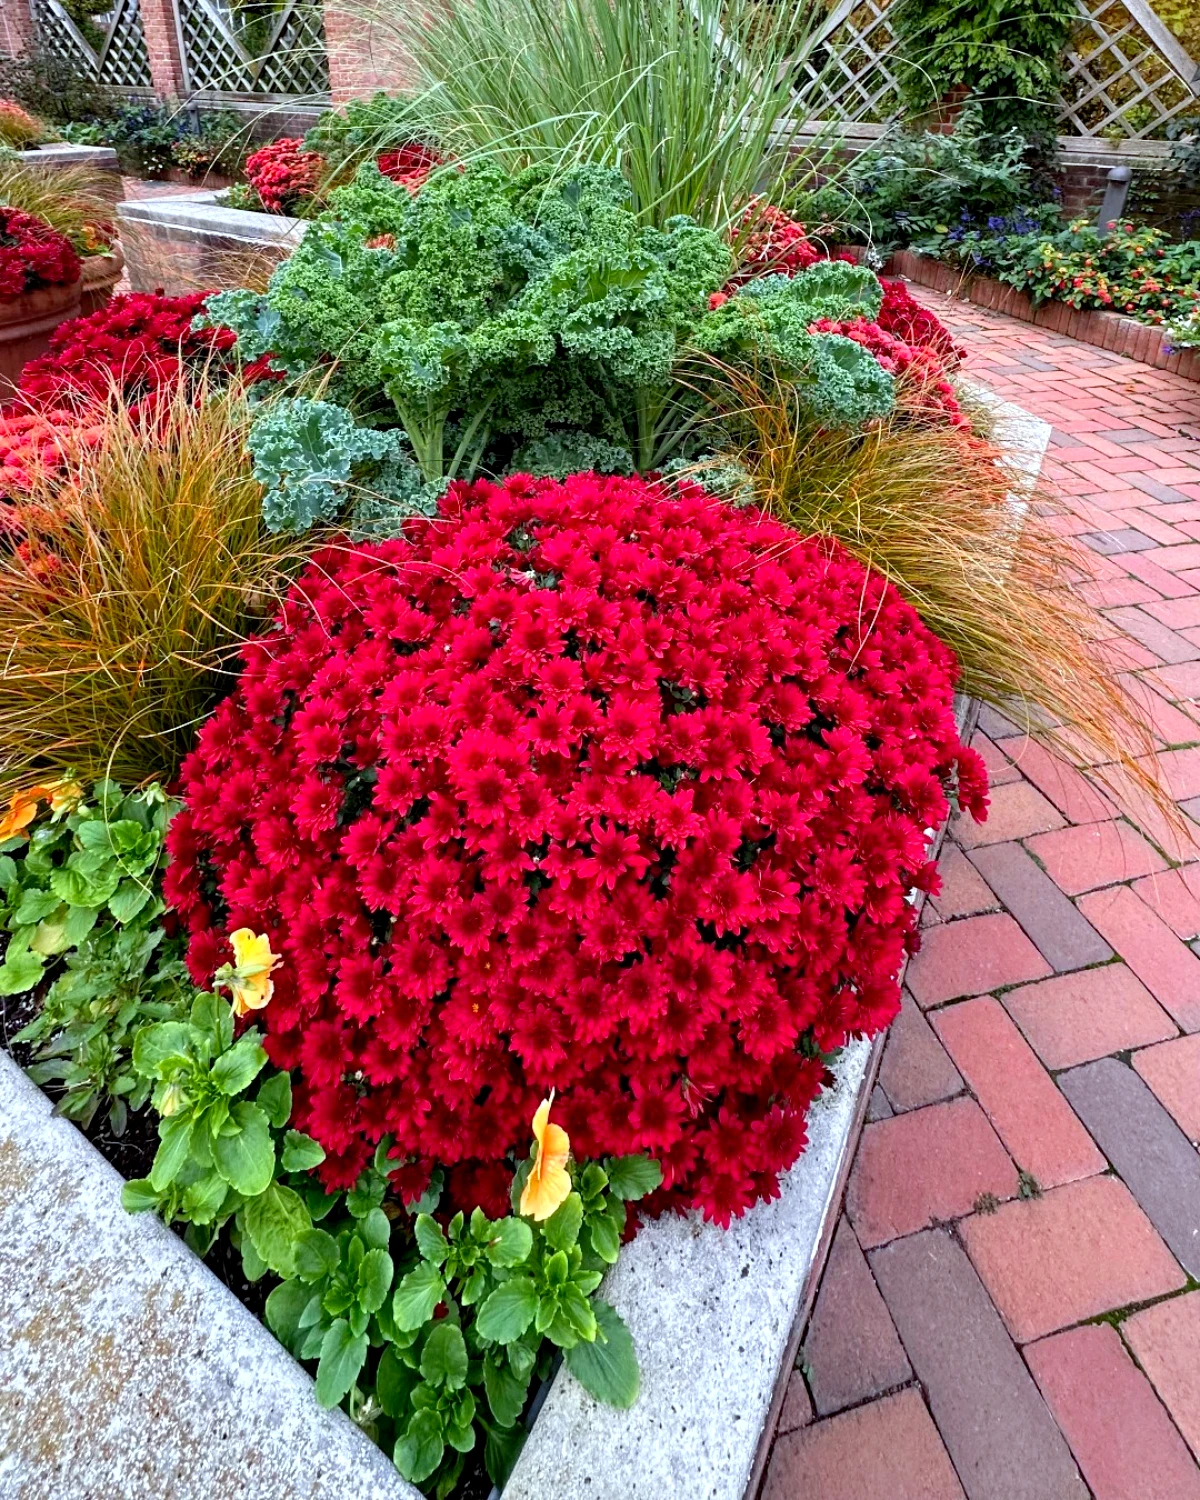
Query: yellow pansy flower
{"type": "Point", "coordinates": [248, 978]}
{"type": "Point", "coordinates": [549, 1182]}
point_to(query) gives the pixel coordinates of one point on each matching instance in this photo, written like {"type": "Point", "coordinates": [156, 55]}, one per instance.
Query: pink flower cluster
{"type": "Point", "coordinates": [594, 785]}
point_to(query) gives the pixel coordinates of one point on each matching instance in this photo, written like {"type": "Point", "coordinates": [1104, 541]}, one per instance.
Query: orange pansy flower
{"type": "Point", "coordinates": [549, 1181]}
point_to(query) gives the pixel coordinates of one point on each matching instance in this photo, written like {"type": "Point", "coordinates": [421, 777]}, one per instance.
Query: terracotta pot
{"type": "Point", "coordinates": [27, 322]}
{"type": "Point", "coordinates": [100, 275]}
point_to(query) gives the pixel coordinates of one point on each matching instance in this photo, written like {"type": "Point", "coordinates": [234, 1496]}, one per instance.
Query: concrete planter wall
{"type": "Point", "coordinates": [127, 1369]}
{"type": "Point", "coordinates": [1106, 330]}
{"type": "Point", "coordinates": [193, 243]}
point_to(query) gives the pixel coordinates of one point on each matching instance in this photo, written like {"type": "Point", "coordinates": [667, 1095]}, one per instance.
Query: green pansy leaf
{"type": "Point", "coordinates": [175, 1139]}
{"type": "Point", "coordinates": [505, 1392]}
{"type": "Point", "coordinates": [78, 889]}
{"type": "Point", "coordinates": [508, 1312]}
{"type": "Point", "coordinates": [343, 1355]}
{"type": "Point", "coordinates": [606, 1239]}
{"type": "Point", "coordinates": [376, 1229]}
{"type": "Point", "coordinates": [420, 1447]}
{"type": "Point", "coordinates": [129, 898]}
{"type": "Point", "coordinates": [34, 906]}
{"type": "Point", "coordinates": [444, 1357]}
{"type": "Point", "coordinates": [246, 1156]}
{"type": "Point", "coordinates": [374, 1280]}
{"type": "Point", "coordinates": [633, 1176]}
{"type": "Point", "coordinates": [561, 1229]}
{"type": "Point", "coordinates": [283, 1310]}
{"type": "Point", "coordinates": [317, 1255]}
{"type": "Point", "coordinates": [203, 1199]}
{"type": "Point", "coordinates": [300, 1152]}
{"type": "Point", "coordinates": [430, 1240]}
{"type": "Point", "coordinates": [460, 1432]}
{"type": "Point", "coordinates": [20, 971]}
{"type": "Point", "coordinates": [511, 1243]}
{"type": "Point", "coordinates": [80, 921]}
{"type": "Point", "coordinates": [254, 1268]}
{"type": "Point", "coordinates": [235, 1070]}
{"type": "Point", "coordinates": [274, 1221]}
{"type": "Point", "coordinates": [139, 1196]}
{"type": "Point", "coordinates": [274, 1098]}
{"type": "Point", "coordinates": [607, 1368]}
{"type": "Point", "coordinates": [522, 1359]}
{"type": "Point", "coordinates": [501, 1450]}
{"type": "Point", "coordinates": [416, 1297]}
{"type": "Point", "coordinates": [394, 1381]}
{"type": "Point", "coordinates": [153, 1045]}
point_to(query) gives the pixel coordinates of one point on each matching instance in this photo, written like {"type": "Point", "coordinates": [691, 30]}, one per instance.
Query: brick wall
{"type": "Point", "coordinates": [16, 28]}
{"type": "Point", "coordinates": [365, 53]}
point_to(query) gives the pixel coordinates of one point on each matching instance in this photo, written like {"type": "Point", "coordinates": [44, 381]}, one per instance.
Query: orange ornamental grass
{"type": "Point", "coordinates": [126, 587]}
{"type": "Point", "coordinates": [932, 508]}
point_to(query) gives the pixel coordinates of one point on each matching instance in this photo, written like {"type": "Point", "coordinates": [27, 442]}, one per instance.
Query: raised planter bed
{"type": "Point", "coordinates": [126, 1368]}
{"type": "Point", "coordinates": [1137, 341]}
{"type": "Point", "coordinates": [192, 242]}
{"type": "Point", "coordinates": [100, 276]}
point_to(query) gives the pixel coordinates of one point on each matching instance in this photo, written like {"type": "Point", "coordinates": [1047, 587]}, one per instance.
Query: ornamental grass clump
{"type": "Point", "coordinates": [72, 199]}
{"type": "Point", "coordinates": [698, 104]}
{"type": "Point", "coordinates": [127, 585]}
{"type": "Point", "coordinates": [935, 510]}
{"type": "Point", "coordinates": [600, 785]}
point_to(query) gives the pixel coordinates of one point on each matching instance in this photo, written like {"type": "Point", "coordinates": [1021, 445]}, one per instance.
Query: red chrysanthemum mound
{"type": "Point", "coordinates": [922, 387]}
{"type": "Point", "coordinates": [408, 165]}
{"type": "Point", "coordinates": [771, 243]}
{"type": "Point", "coordinates": [283, 173]}
{"type": "Point", "coordinates": [136, 341]}
{"type": "Point", "coordinates": [902, 315]}
{"type": "Point", "coordinates": [32, 254]}
{"type": "Point", "coordinates": [590, 785]}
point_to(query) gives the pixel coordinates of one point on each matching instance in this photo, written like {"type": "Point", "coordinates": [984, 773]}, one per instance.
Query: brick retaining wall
{"type": "Point", "coordinates": [1106, 330]}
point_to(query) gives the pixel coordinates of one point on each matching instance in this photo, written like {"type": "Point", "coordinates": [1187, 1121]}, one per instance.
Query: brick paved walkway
{"type": "Point", "coordinates": [1010, 1310]}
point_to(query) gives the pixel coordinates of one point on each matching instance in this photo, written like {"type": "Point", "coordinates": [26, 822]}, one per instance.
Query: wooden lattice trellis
{"type": "Point", "coordinates": [117, 58]}
{"type": "Point", "coordinates": [1126, 72]}
{"type": "Point", "coordinates": [218, 58]}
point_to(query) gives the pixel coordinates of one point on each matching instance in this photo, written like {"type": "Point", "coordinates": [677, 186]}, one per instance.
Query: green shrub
{"type": "Point", "coordinates": [1008, 54]}
{"type": "Point", "coordinates": [915, 185]}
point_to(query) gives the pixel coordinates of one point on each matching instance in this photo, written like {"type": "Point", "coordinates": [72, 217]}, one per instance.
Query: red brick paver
{"type": "Point", "coordinates": [1034, 1337]}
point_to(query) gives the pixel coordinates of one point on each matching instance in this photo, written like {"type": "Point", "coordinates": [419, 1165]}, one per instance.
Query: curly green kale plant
{"type": "Point", "coordinates": [500, 319]}
{"type": "Point", "coordinates": [309, 455]}
{"type": "Point", "coordinates": [769, 319]}
{"type": "Point", "coordinates": [82, 908]}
